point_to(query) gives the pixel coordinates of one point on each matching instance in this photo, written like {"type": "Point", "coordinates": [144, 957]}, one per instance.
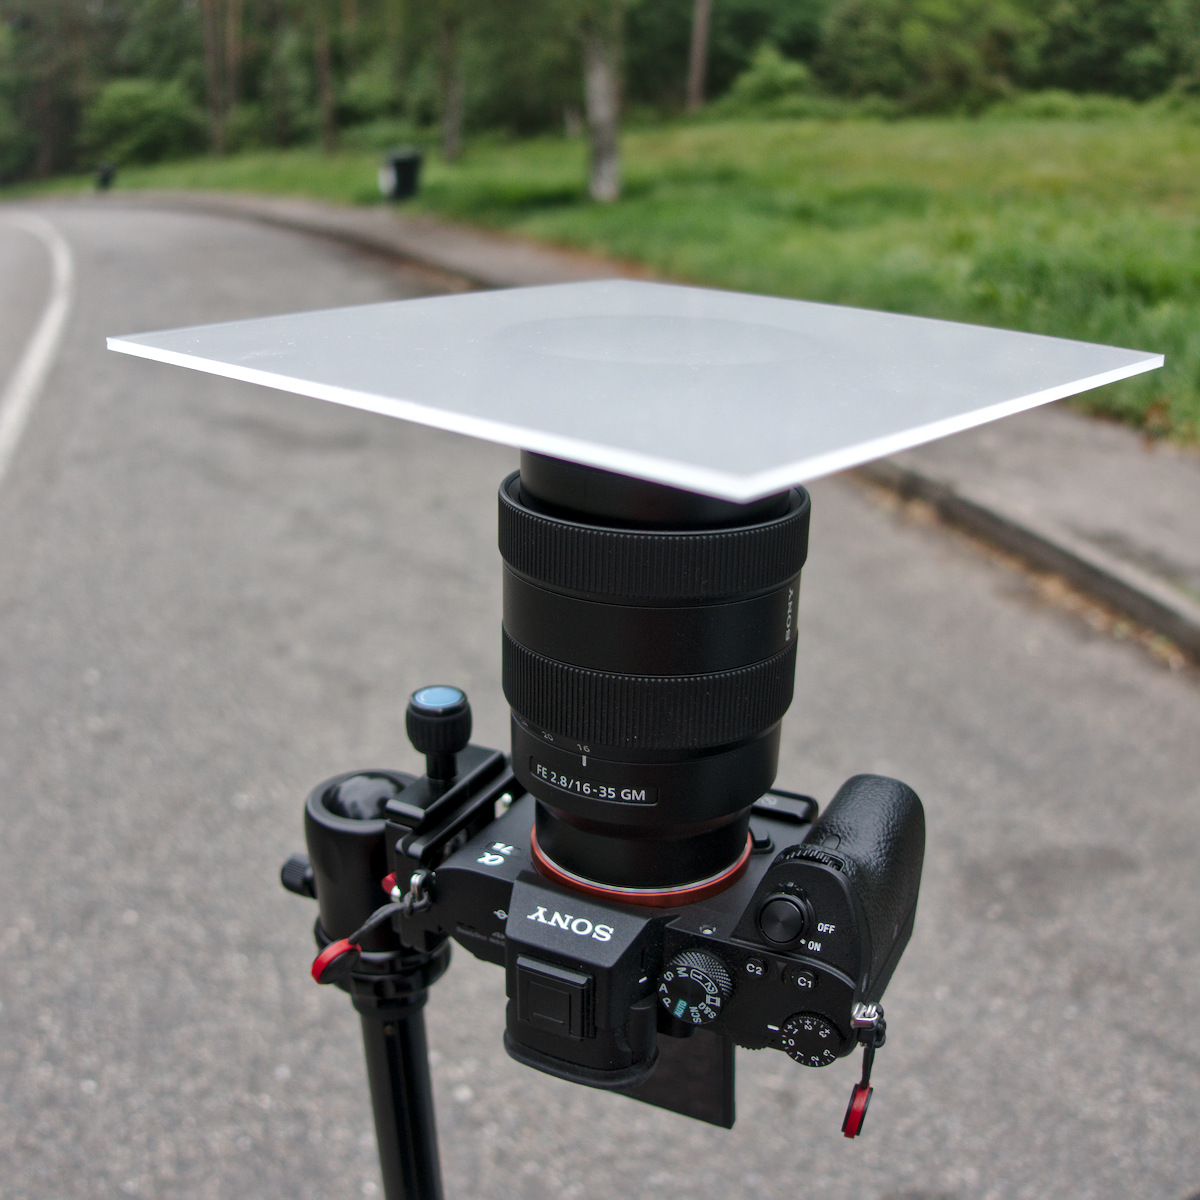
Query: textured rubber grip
{"type": "Point", "coordinates": [876, 826]}
{"type": "Point", "coordinates": [647, 712]}
{"type": "Point", "coordinates": [636, 566]}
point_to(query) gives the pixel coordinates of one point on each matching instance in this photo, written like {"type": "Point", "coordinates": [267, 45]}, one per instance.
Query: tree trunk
{"type": "Point", "coordinates": [214, 82]}
{"type": "Point", "coordinates": [450, 69]}
{"type": "Point", "coordinates": [326, 97]}
{"type": "Point", "coordinates": [601, 99]}
{"type": "Point", "coordinates": [698, 58]}
{"type": "Point", "coordinates": [233, 52]}
{"type": "Point", "coordinates": [45, 128]}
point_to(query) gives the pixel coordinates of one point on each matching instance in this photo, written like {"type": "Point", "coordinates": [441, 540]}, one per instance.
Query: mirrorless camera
{"type": "Point", "coordinates": [653, 900]}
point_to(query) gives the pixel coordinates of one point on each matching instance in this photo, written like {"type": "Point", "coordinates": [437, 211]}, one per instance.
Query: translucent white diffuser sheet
{"type": "Point", "coordinates": [723, 393]}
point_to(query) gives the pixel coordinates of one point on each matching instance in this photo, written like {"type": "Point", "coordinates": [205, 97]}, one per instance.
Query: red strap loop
{"type": "Point", "coordinates": [330, 955]}
{"type": "Point", "coordinates": [856, 1111]}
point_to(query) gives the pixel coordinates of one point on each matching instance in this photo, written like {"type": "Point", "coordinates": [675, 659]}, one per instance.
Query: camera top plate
{"type": "Point", "coordinates": [723, 393]}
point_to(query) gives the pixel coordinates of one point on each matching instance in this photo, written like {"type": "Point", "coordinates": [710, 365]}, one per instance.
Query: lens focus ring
{"type": "Point", "coordinates": [646, 712]}
{"type": "Point", "coordinates": [628, 566]}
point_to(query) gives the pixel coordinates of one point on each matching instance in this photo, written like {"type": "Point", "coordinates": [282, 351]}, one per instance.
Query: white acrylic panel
{"type": "Point", "coordinates": [724, 393]}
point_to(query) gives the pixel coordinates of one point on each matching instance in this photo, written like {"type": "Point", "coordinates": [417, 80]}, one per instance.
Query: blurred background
{"type": "Point", "coordinates": [1024, 163]}
{"type": "Point", "coordinates": [213, 596]}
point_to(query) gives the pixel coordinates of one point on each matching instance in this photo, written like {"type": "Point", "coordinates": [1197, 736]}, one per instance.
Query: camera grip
{"type": "Point", "coordinates": [876, 826]}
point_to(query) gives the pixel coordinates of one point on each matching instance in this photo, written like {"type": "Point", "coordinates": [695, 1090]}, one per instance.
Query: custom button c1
{"type": "Point", "coordinates": [800, 977]}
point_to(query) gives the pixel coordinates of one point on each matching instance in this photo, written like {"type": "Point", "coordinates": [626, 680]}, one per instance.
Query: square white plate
{"type": "Point", "coordinates": [723, 393]}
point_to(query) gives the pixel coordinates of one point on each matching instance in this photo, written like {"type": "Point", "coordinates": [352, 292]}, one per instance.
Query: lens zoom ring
{"type": "Point", "coordinates": [645, 712]}
{"type": "Point", "coordinates": [631, 565]}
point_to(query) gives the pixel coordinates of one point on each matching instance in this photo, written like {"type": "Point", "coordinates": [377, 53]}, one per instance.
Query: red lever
{"type": "Point", "coordinates": [325, 965]}
{"type": "Point", "coordinates": [856, 1111]}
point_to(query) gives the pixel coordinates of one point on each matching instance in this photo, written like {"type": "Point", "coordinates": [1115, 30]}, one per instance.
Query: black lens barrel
{"type": "Point", "coordinates": [647, 667]}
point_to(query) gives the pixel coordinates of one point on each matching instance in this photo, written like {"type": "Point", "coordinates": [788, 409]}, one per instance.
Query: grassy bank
{"type": "Point", "coordinates": [1087, 229]}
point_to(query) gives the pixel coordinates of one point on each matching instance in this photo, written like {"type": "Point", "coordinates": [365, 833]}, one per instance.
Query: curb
{"type": "Point", "coordinates": [1135, 593]}
{"type": "Point", "coordinates": [478, 258]}
{"type": "Point", "coordinates": [475, 257]}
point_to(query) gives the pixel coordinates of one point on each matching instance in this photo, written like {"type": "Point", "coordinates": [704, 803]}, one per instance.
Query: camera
{"type": "Point", "coordinates": [653, 899]}
{"type": "Point", "coordinates": [794, 954]}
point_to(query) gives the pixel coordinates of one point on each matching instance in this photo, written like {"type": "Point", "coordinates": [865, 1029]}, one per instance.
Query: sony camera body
{"type": "Point", "coordinates": [794, 954]}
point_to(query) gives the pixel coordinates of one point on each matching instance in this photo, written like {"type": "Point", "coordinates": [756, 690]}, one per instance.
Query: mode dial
{"type": "Point", "coordinates": [695, 987]}
{"type": "Point", "coordinates": [810, 1039]}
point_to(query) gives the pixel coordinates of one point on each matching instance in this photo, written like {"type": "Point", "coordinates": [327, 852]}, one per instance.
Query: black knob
{"type": "Point", "coordinates": [810, 1039]}
{"type": "Point", "coordinates": [438, 721]}
{"type": "Point", "coordinates": [694, 987]}
{"type": "Point", "coordinates": [783, 919]}
{"type": "Point", "coordinates": [297, 876]}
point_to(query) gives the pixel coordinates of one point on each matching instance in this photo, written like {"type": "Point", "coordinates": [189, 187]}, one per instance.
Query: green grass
{"type": "Point", "coordinates": [1079, 228]}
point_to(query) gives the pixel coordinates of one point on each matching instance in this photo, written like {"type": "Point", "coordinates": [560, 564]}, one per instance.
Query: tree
{"type": "Point", "coordinates": [1107, 46]}
{"type": "Point", "coordinates": [214, 74]}
{"type": "Point", "coordinates": [221, 22]}
{"type": "Point", "coordinates": [698, 54]}
{"type": "Point", "coordinates": [927, 54]}
{"type": "Point", "coordinates": [600, 29]}
{"type": "Point", "coordinates": [142, 120]}
{"type": "Point", "coordinates": [321, 18]}
{"type": "Point", "coordinates": [49, 49]}
{"type": "Point", "coordinates": [596, 28]}
{"type": "Point", "coordinates": [450, 20]}
{"type": "Point", "coordinates": [1178, 26]}
{"type": "Point", "coordinates": [660, 43]}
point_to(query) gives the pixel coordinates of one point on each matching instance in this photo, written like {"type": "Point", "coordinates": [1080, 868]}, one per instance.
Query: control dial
{"type": "Point", "coordinates": [810, 1039]}
{"type": "Point", "coordinates": [695, 987]}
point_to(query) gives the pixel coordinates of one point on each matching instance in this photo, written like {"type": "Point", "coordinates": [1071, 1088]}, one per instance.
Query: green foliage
{"type": "Point", "coordinates": [370, 91]}
{"type": "Point", "coordinates": [288, 89]}
{"type": "Point", "coordinates": [142, 120]}
{"type": "Point", "coordinates": [247, 127]}
{"type": "Point", "coordinates": [928, 55]}
{"type": "Point", "coordinates": [1113, 46]}
{"type": "Point", "coordinates": [1178, 26]}
{"type": "Point", "coordinates": [522, 67]}
{"type": "Point", "coordinates": [381, 134]}
{"type": "Point", "coordinates": [1057, 105]}
{"type": "Point", "coordinates": [769, 77]}
{"type": "Point", "coordinates": [16, 142]}
{"type": "Point", "coordinates": [49, 57]}
{"type": "Point", "coordinates": [16, 146]}
{"type": "Point", "coordinates": [659, 35]}
{"type": "Point", "coordinates": [161, 39]}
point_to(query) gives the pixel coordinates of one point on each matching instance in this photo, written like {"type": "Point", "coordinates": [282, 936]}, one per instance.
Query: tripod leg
{"type": "Point", "coordinates": [402, 1098]}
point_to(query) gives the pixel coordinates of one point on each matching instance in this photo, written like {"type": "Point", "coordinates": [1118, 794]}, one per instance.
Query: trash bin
{"type": "Point", "coordinates": [399, 173]}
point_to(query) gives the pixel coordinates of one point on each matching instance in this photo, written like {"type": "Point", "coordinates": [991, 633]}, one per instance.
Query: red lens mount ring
{"type": "Point", "coordinates": [652, 898]}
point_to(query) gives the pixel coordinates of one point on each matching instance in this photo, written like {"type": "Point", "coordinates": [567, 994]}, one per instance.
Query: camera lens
{"type": "Point", "coordinates": [649, 654]}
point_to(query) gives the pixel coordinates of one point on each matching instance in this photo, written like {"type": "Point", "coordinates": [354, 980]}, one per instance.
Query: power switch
{"type": "Point", "coordinates": [784, 919]}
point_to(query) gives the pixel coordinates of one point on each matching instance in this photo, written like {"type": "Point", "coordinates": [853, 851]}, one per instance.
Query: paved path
{"type": "Point", "coordinates": [212, 596]}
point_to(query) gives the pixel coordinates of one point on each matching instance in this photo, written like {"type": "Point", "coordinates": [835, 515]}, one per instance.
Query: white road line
{"type": "Point", "coordinates": [19, 397]}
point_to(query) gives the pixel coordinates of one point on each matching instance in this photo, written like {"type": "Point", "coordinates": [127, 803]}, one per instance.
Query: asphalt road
{"type": "Point", "coordinates": [213, 596]}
